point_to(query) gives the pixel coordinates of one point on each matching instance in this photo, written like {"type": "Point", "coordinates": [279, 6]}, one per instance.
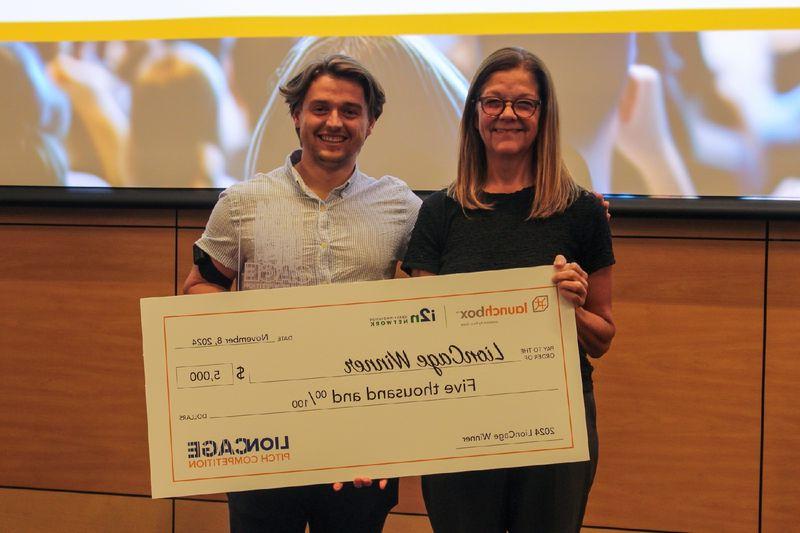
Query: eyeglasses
{"type": "Point", "coordinates": [522, 108]}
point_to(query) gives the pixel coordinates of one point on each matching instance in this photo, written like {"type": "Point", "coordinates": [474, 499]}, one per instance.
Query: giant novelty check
{"type": "Point", "coordinates": [272, 388]}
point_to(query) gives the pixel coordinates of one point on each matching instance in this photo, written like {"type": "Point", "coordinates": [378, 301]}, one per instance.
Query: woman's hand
{"type": "Point", "coordinates": [592, 311]}
{"type": "Point", "coordinates": [571, 280]}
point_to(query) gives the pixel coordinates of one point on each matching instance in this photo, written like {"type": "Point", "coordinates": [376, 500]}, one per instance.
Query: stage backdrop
{"type": "Point", "coordinates": [656, 98]}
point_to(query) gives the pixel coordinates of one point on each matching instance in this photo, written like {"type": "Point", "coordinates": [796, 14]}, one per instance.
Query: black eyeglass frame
{"type": "Point", "coordinates": [482, 99]}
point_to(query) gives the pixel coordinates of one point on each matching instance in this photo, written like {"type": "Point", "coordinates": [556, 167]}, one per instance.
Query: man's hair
{"type": "Point", "coordinates": [554, 188]}
{"type": "Point", "coordinates": [337, 66]}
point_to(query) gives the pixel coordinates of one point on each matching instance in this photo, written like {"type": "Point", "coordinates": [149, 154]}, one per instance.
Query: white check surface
{"type": "Point", "coordinates": [306, 385]}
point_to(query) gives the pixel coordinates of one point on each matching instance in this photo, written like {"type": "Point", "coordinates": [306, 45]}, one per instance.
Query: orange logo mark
{"type": "Point", "coordinates": [539, 304]}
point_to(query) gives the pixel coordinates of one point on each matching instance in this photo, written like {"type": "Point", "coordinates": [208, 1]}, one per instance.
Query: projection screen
{"type": "Point", "coordinates": [657, 98]}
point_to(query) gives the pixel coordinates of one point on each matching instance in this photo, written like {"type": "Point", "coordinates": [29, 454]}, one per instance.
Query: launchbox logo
{"type": "Point", "coordinates": [540, 303]}
{"type": "Point", "coordinates": [537, 305]}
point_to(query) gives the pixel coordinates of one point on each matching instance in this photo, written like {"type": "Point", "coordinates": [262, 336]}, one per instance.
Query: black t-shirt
{"type": "Point", "coordinates": [448, 240]}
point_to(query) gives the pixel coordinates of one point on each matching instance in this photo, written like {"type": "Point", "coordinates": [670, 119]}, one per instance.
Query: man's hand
{"type": "Point", "coordinates": [605, 202]}
{"type": "Point", "coordinates": [361, 482]}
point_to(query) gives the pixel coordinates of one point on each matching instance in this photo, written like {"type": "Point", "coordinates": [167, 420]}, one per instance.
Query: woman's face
{"type": "Point", "coordinates": [508, 135]}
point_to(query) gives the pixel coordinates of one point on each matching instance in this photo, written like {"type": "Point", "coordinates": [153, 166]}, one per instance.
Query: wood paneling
{"type": "Point", "coordinates": [601, 530]}
{"type": "Point", "coordinates": [193, 218]}
{"type": "Point", "coordinates": [32, 511]}
{"type": "Point", "coordinates": [398, 523]}
{"type": "Point", "coordinates": [72, 379]}
{"type": "Point", "coordinates": [200, 517]}
{"type": "Point", "coordinates": [784, 229]}
{"type": "Point", "coordinates": [410, 496]}
{"type": "Point", "coordinates": [687, 228]}
{"type": "Point", "coordinates": [87, 216]}
{"type": "Point", "coordinates": [679, 394]}
{"type": "Point", "coordinates": [781, 414]}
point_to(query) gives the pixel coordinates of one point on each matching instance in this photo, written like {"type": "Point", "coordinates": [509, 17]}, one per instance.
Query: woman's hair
{"type": "Point", "coordinates": [30, 154]}
{"type": "Point", "coordinates": [553, 185]}
{"type": "Point", "coordinates": [175, 131]}
{"type": "Point", "coordinates": [337, 66]}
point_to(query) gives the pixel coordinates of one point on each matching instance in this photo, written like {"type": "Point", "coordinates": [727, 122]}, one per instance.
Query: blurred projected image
{"type": "Point", "coordinates": [418, 135]}
{"type": "Point", "coordinates": [684, 114]}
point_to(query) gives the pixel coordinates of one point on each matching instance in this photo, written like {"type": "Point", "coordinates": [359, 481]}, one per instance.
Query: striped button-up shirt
{"type": "Point", "coordinates": [276, 232]}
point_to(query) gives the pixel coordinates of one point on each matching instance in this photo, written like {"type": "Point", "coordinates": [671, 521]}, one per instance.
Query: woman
{"type": "Point", "coordinates": [514, 204]}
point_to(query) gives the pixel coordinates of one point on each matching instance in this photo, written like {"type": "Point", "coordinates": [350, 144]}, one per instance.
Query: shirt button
{"type": "Point", "coordinates": [323, 245]}
{"type": "Point", "coordinates": [323, 207]}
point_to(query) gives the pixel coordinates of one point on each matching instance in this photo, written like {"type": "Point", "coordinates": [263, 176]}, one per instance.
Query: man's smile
{"type": "Point", "coordinates": [328, 138]}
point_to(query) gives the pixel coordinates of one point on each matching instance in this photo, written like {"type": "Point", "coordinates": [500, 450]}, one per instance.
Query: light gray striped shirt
{"type": "Point", "coordinates": [278, 233]}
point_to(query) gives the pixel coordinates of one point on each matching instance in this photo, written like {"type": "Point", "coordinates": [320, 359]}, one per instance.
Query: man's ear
{"type": "Point", "coordinates": [370, 126]}
{"type": "Point", "coordinates": [296, 120]}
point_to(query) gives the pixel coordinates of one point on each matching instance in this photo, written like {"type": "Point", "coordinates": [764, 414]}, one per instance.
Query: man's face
{"type": "Point", "coordinates": [333, 122]}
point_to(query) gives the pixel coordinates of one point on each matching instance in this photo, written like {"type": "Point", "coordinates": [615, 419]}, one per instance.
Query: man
{"type": "Point", "coordinates": [315, 220]}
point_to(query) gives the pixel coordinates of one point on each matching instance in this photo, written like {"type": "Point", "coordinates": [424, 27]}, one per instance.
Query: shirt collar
{"type": "Point", "coordinates": [342, 190]}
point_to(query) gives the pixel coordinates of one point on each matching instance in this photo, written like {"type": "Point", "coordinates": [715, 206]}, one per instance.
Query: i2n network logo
{"type": "Point", "coordinates": [425, 314]}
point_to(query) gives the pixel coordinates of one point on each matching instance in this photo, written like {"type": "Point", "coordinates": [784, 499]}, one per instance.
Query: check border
{"type": "Point", "coordinates": [383, 463]}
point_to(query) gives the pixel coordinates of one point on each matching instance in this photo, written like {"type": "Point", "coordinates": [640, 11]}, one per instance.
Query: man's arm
{"type": "Point", "coordinates": [196, 283]}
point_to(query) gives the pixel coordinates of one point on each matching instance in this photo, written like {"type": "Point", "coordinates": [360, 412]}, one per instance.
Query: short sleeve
{"type": "Point", "coordinates": [426, 247]}
{"type": "Point", "coordinates": [412, 206]}
{"type": "Point", "coordinates": [220, 238]}
{"type": "Point", "coordinates": [595, 236]}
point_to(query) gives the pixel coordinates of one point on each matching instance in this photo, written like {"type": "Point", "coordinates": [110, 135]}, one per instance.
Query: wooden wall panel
{"type": "Point", "coordinates": [410, 499]}
{"type": "Point", "coordinates": [781, 413]}
{"type": "Point", "coordinates": [193, 218]}
{"type": "Point", "coordinates": [398, 523]}
{"type": "Point", "coordinates": [72, 379]}
{"type": "Point", "coordinates": [87, 216]}
{"type": "Point", "coordinates": [200, 517]}
{"type": "Point", "coordinates": [687, 227]}
{"type": "Point", "coordinates": [784, 229]}
{"type": "Point", "coordinates": [600, 530]}
{"type": "Point", "coordinates": [679, 393]}
{"type": "Point", "coordinates": [33, 511]}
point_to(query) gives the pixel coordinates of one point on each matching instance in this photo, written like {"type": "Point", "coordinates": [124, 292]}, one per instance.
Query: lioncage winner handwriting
{"type": "Point", "coordinates": [399, 359]}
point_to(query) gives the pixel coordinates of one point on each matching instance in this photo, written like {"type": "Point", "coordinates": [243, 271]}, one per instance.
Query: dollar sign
{"type": "Point", "coordinates": [240, 372]}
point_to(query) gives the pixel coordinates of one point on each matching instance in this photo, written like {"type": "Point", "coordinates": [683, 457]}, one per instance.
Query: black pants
{"type": "Point", "coordinates": [288, 510]}
{"type": "Point", "coordinates": [541, 499]}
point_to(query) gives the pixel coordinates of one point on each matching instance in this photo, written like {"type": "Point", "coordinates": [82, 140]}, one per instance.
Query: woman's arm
{"type": "Point", "coordinates": [594, 320]}
{"type": "Point", "coordinates": [591, 295]}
